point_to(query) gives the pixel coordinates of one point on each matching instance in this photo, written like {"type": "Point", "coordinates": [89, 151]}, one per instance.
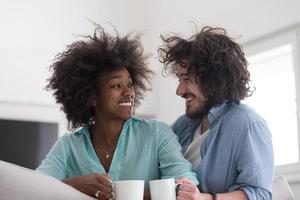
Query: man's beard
{"type": "Point", "coordinates": [200, 112]}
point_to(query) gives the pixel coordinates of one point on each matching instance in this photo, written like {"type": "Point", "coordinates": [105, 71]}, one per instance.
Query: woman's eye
{"type": "Point", "coordinates": [130, 85]}
{"type": "Point", "coordinates": [116, 86]}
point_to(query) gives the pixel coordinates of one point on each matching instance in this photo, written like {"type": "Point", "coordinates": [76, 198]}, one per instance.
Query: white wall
{"type": "Point", "coordinates": [32, 32]}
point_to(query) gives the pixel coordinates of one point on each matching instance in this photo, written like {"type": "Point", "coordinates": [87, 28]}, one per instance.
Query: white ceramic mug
{"type": "Point", "coordinates": [129, 190]}
{"type": "Point", "coordinates": [163, 189]}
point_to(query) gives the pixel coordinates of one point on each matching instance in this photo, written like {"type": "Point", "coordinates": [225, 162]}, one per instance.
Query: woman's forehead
{"type": "Point", "coordinates": [115, 74]}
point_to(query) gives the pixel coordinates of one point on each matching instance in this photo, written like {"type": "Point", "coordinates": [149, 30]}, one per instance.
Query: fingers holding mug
{"type": "Point", "coordinates": [105, 187]}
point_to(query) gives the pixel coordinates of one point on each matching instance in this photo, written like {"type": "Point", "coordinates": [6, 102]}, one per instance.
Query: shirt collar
{"type": "Point", "coordinates": [85, 129]}
{"type": "Point", "coordinates": [218, 111]}
{"type": "Point", "coordinates": [81, 130]}
{"type": "Point", "coordinates": [215, 114]}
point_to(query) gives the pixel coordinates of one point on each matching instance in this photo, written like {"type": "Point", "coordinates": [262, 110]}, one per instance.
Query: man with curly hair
{"type": "Point", "coordinates": [98, 81]}
{"type": "Point", "coordinates": [228, 144]}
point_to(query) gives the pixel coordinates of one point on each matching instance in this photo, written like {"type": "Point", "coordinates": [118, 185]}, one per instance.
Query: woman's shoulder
{"type": "Point", "coordinates": [148, 122]}
{"type": "Point", "coordinates": [73, 136]}
{"type": "Point", "coordinates": [153, 125]}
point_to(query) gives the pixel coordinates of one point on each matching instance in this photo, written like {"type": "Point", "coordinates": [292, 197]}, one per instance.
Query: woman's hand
{"type": "Point", "coordinates": [189, 191]}
{"type": "Point", "coordinates": [96, 185]}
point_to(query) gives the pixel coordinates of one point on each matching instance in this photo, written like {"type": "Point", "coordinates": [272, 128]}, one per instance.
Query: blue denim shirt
{"type": "Point", "coordinates": [237, 153]}
{"type": "Point", "coordinates": [146, 150]}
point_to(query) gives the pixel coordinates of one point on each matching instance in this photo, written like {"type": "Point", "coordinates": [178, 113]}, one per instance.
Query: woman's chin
{"type": "Point", "coordinates": [126, 116]}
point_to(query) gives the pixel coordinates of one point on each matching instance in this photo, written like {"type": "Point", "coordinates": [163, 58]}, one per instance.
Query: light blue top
{"type": "Point", "coordinates": [237, 153]}
{"type": "Point", "coordinates": [146, 150]}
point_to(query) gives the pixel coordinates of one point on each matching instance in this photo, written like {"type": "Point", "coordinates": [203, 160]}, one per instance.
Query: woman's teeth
{"type": "Point", "coordinates": [125, 104]}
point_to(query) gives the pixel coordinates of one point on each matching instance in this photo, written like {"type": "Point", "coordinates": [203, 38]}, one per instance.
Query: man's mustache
{"type": "Point", "coordinates": [186, 95]}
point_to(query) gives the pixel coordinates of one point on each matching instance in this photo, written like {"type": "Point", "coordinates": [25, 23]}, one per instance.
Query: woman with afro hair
{"type": "Point", "coordinates": [98, 81]}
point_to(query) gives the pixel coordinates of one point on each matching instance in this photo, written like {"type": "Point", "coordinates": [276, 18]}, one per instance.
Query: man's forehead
{"type": "Point", "coordinates": [184, 71]}
{"type": "Point", "coordinates": [180, 70]}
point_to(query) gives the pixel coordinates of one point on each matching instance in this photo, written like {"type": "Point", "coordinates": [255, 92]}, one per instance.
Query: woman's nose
{"type": "Point", "coordinates": [128, 91]}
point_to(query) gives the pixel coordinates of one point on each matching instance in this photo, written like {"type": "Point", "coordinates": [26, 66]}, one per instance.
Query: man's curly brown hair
{"type": "Point", "coordinates": [77, 69]}
{"type": "Point", "coordinates": [217, 61]}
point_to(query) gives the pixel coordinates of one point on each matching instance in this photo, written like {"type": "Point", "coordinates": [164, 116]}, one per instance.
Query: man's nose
{"type": "Point", "coordinates": [180, 89]}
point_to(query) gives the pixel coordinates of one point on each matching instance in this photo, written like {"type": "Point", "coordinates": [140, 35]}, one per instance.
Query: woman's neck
{"type": "Point", "coordinates": [107, 130]}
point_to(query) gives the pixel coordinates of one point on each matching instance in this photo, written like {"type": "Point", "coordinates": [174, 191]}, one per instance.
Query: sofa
{"type": "Point", "coordinates": [17, 183]}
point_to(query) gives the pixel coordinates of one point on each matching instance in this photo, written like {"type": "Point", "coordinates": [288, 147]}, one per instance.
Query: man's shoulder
{"type": "Point", "coordinates": [184, 124]}
{"type": "Point", "coordinates": [242, 112]}
{"type": "Point", "coordinates": [183, 120]}
{"type": "Point", "coordinates": [240, 119]}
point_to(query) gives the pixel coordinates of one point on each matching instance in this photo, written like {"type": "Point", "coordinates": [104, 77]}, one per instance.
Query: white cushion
{"type": "Point", "coordinates": [281, 189]}
{"type": "Point", "coordinates": [21, 183]}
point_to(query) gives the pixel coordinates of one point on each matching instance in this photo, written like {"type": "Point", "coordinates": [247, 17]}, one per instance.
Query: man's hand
{"type": "Point", "coordinates": [96, 185]}
{"type": "Point", "coordinates": [189, 191]}
{"type": "Point", "coordinates": [147, 195]}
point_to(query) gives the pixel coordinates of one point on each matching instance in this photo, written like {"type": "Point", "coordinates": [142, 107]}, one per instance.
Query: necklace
{"type": "Point", "coordinates": [107, 153]}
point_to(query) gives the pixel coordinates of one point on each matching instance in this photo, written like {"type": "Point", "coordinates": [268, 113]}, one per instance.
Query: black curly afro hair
{"type": "Point", "coordinates": [77, 69]}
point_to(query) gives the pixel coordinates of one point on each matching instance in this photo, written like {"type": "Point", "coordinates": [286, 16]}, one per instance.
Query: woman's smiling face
{"type": "Point", "coordinates": [115, 96]}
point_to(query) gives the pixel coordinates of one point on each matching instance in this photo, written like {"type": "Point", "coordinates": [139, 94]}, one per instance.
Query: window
{"type": "Point", "coordinates": [274, 73]}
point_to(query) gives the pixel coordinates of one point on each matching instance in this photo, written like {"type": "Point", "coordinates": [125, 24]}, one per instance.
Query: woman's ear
{"type": "Point", "coordinates": [93, 101]}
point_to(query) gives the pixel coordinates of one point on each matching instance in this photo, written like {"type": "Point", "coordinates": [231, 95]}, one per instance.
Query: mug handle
{"type": "Point", "coordinates": [177, 186]}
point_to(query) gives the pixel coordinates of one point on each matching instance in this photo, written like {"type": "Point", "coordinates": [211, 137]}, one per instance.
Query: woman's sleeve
{"type": "Point", "coordinates": [172, 163]}
{"type": "Point", "coordinates": [56, 160]}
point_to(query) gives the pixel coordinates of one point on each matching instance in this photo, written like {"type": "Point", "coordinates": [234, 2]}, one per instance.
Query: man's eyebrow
{"type": "Point", "coordinates": [182, 74]}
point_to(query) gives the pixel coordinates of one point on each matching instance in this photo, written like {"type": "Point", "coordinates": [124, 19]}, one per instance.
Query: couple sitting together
{"type": "Point", "coordinates": [221, 148]}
